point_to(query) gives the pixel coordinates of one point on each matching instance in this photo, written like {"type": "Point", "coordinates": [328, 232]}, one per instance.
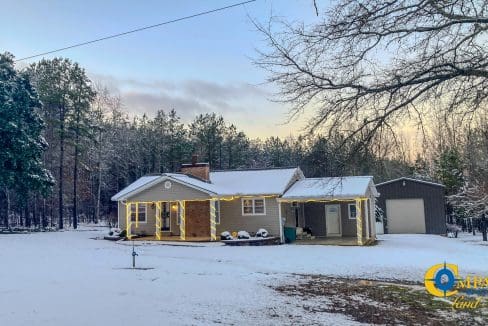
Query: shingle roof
{"type": "Point", "coordinates": [134, 186]}
{"type": "Point", "coordinates": [224, 183]}
{"type": "Point", "coordinates": [336, 187]}
{"type": "Point", "coordinates": [253, 182]}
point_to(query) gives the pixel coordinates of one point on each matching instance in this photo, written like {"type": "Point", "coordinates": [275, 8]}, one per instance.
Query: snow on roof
{"type": "Point", "coordinates": [193, 181]}
{"type": "Point", "coordinates": [253, 182]}
{"type": "Point", "coordinates": [144, 182]}
{"type": "Point", "coordinates": [141, 182]}
{"type": "Point", "coordinates": [336, 187]}
{"type": "Point", "coordinates": [412, 179]}
{"type": "Point", "coordinates": [261, 182]}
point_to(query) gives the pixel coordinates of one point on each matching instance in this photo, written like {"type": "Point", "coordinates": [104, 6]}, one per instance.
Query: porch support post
{"type": "Point", "coordinates": [282, 236]}
{"type": "Point", "coordinates": [213, 217]}
{"type": "Point", "coordinates": [137, 215]}
{"type": "Point", "coordinates": [372, 211]}
{"type": "Point", "coordinates": [359, 221]}
{"type": "Point", "coordinates": [158, 220]}
{"type": "Point", "coordinates": [128, 223]}
{"type": "Point", "coordinates": [368, 218]}
{"type": "Point", "coordinates": [181, 205]}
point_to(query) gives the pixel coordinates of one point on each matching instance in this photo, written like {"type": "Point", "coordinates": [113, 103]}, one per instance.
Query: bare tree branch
{"type": "Point", "coordinates": [370, 63]}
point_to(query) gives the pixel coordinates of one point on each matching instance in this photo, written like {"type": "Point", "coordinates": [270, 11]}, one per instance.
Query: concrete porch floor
{"type": "Point", "coordinates": [329, 241]}
{"type": "Point", "coordinates": [173, 238]}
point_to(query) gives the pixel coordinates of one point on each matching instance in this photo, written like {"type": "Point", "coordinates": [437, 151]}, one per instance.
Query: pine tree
{"type": "Point", "coordinates": [79, 124]}
{"type": "Point", "coordinates": [65, 92]}
{"type": "Point", "coordinates": [21, 166]}
{"type": "Point", "coordinates": [207, 132]}
{"type": "Point", "coordinates": [449, 170]}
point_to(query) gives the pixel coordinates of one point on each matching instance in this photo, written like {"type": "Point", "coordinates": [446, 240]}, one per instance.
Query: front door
{"type": "Point", "coordinates": [165, 217]}
{"type": "Point", "coordinates": [333, 220]}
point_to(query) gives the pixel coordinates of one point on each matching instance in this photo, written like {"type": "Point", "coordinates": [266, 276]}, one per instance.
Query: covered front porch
{"type": "Point", "coordinates": [337, 211]}
{"type": "Point", "coordinates": [334, 222]}
{"type": "Point", "coordinates": [171, 220]}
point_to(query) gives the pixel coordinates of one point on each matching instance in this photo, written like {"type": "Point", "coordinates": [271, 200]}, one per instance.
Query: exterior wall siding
{"type": "Point", "coordinates": [147, 228]}
{"type": "Point", "coordinates": [231, 218]}
{"type": "Point", "coordinates": [177, 192]}
{"type": "Point", "coordinates": [349, 226]}
{"type": "Point", "coordinates": [433, 196]}
{"type": "Point", "coordinates": [288, 213]}
{"type": "Point", "coordinates": [315, 219]}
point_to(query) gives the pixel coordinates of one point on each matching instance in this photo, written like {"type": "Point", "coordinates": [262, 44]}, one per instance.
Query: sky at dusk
{"type": "Point", "coordinates": [194, 66]}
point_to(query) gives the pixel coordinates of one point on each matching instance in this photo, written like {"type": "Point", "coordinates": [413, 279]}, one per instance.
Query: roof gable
{"type": "Point", "coordinates": [412, 180]}
{"type": "Point", "coordinates": [135, 186]}
{"type": "Point", "coordinates": [146, 182]}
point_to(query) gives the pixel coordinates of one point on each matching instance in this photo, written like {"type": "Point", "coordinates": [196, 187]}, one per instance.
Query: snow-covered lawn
{"type": "Point", "coordinates": [67, 278]}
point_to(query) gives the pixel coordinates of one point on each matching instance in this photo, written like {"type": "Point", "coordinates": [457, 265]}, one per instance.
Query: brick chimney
{"type": "Point", "coordinates": [199, 170]}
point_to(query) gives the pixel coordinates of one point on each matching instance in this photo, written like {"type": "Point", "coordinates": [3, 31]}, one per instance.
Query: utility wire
{"type": "Point", "coordinates": [138, 29]}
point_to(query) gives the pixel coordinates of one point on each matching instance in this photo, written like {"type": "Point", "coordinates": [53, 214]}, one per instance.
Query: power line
{"type": "Point", "coordinates": [138, 29]}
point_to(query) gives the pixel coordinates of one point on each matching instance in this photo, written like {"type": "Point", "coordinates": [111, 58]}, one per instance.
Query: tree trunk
{"type": "Point", "coordinates": [43, 216]}
{"type": "Point", "coordinates": [34, 213]}
{"type": "Point", "coordinates": [99, 186]}
{"type": "Point", "coordinates": [27, 215]}
{"type": "Point", "coordinates": [75, 187]}
{"type": "Point", "coordinates": [61, 163]}
{"type": "Point", "coordinates": [483, 227]}
{"type": "Point", "coordinates": [7, 196]}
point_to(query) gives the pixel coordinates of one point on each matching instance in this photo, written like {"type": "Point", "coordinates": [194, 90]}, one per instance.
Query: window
{"type": "Point", "coordinates": [178, 213]}
{"type": "Point", "coordinates": [352, 211]}
{"type": "Point", "coordinates": [142, 212]}
{"type": "Point", "coordinates": [165, 217]}
{"type": "Point", "coordinates": [217, 212]}
{"type": "Point", "coordinates": [253, 206]}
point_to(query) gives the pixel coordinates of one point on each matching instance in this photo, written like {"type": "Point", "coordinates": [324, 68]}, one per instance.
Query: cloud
{"type": "Point", "coordinates": [142, 96]}
{"type": "Point", "coordinates": [149, 103]}
{"type": "Point", "coordinates": [245, 105]}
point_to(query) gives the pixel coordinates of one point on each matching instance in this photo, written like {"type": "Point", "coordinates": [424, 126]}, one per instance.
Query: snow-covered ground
{"type": "Point", "coordinates": [67, 278]}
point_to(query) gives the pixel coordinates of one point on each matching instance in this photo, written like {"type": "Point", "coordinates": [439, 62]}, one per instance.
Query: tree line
{"type": "Point", "coordinates": [69, 146]}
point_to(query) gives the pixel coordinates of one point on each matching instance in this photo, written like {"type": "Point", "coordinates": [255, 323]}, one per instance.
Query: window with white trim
{"type": "Point", "coordinates": [178, 215]}
{"type": "Point", "coordinates": [253, 206]}
{"type": "Point", "coordinates": [217, 212]}
{"type": "Point", "coordinates": [142, 208]}
{"type": "Point", "coordinates": [352, 211]}
{"type": "Point", "coordinates": [166, 216]}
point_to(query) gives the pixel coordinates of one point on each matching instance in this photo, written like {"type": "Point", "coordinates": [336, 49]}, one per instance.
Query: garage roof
{"type": "Point", "coordinates": [413, 180]}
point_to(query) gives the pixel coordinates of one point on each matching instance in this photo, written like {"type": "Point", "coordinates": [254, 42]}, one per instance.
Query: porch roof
{"type": "Point", "coordinates": [331, 188]}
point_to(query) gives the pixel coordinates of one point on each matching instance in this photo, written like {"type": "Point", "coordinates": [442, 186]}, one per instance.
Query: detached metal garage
{"type": "Point", "coordinates": [412, 206]}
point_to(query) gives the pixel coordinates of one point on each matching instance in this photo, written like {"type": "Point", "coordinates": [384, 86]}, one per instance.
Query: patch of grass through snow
{"type": "Point", "coordinates": [377, 302]}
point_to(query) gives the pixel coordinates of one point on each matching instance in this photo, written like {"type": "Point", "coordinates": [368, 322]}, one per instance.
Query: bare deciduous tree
{"type": "Point", "coordinates": [370, 64]}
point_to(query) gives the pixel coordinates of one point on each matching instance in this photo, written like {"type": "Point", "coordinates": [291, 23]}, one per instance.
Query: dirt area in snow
{"type": "Point", "coordinates": [377, 302]}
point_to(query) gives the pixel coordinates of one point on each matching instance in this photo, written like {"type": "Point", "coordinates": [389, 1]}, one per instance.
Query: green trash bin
{"type": "Point", "coordinates": [290, 234]}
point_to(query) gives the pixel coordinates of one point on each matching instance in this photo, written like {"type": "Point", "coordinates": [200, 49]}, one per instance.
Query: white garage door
{"type": "Point", "coordinates": [405, 215]}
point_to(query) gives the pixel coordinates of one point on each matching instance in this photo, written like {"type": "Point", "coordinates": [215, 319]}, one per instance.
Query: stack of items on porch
{"type": "Point", "coordinates": [304, 233]}
{"type": "Point", "coordinates": [226, 235]}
